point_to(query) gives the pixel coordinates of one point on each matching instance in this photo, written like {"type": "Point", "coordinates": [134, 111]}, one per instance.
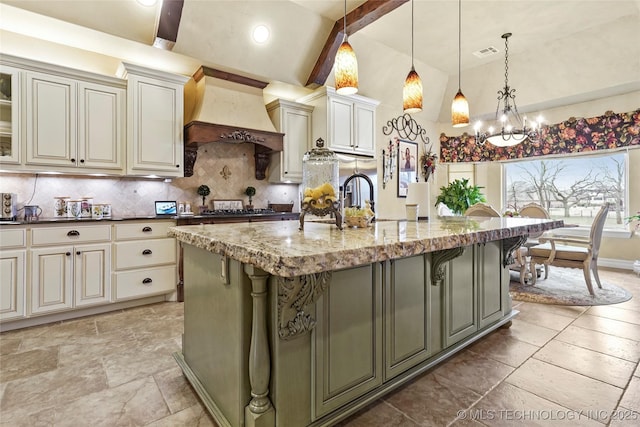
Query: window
{"type": "Point", "coordinates": [571, 188]}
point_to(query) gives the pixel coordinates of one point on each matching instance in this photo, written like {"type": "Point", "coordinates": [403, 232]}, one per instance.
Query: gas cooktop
{"type": "Point", "coordinates": [222, 212]}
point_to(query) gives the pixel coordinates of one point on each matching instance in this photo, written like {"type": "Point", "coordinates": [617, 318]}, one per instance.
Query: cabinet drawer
{"type": "Point", "coordinates": [145, 253]}
{"type": "Point", "coordinates": [143, 230]}
{"type": "Point", "coordinates": [70, 235]}
{"type": "Point", "coordinates": [140, 283]}
{"type": "Point", "coordinates": [15, 238]}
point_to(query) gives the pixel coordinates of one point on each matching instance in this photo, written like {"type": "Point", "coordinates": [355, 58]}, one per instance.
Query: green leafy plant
{"type": "Point", "coordinates": [204, 191]}
{"type": "Point", "coordinates": [250, 191]}
{"type": "Point", "coordinates": [459, 195]}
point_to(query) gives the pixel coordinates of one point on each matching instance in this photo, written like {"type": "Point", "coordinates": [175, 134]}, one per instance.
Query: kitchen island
{"type": "Point", "coordinates": [284, 327]}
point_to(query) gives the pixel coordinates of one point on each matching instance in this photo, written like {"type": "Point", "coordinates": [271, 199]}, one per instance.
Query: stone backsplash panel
{"type": "Point", "coordinates": [135, 196]}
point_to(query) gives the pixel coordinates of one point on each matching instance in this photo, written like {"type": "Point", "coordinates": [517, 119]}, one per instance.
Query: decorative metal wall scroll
{"type": "Point", "coordinates": [295, 293]}
{"type": "Point", "coordinates": [407, 128]}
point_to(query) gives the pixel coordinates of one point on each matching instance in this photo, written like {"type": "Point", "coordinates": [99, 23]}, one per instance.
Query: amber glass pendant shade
{"type": "Point", "coordinates": [346, 70]}
{"type": "Point", "coordinates": [412, 93]}
{"type": "Point", "coordinates": [459, 111]}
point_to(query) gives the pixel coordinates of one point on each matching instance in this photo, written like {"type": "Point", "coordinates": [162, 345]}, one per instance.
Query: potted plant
{"type": "Point", "coordinates": [459, 195]}
{"type": "Point", "coordinates": [203, 191]}
{"type": "Point", "coordinates": [250, 191]}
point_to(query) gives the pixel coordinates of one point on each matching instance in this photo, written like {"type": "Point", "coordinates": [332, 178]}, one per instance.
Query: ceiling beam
{"type": "Point", "coordinates": [357, 19]}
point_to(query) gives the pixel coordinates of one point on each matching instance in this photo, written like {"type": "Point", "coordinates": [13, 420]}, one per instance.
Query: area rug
{"type": "Point", "coordinates": [566, 286]}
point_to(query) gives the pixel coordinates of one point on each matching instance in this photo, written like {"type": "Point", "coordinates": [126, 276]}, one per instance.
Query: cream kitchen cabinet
{"type": "Point", "coordinates": [145, 260]}
{"type": "Point", "coordinates": [345, 123]}
{"type": "Point", "coordinates": [74, 124]}
{"type": "Point", "coordinates": [10, 120]}
{"type": "Point", "coordinates": [155, 107]}
{"type": "Point", "coordinates": [13, 255]}
{"type": "Point", "coordinates": [70, 267]}
{"type": "Point", "coordinates": [294, 120]}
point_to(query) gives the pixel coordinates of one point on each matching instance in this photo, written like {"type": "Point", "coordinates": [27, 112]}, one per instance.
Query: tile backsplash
{"type": "Point", "coordinates": [135, 196]}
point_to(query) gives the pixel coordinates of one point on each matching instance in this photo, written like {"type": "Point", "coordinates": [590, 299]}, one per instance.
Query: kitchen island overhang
{"type": "Point", "coordinates": [273, 314]}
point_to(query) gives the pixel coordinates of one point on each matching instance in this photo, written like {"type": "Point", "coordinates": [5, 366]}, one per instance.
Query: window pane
{"type": "Point", "coordinates": [571, 188]}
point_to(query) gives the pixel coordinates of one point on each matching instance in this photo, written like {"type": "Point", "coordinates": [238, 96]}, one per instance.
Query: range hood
{"type": "Point", "coordinates": [228, 108]}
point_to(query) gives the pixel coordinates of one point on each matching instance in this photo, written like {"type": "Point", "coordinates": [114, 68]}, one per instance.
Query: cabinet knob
{"type": "Point", "coordinates": [286, 172]}
{"type": "Point", "coordinates": [73, 233]}
{"type": "Point", "coordinates": [73, 160]}
{"type": "Point", "coordinates": [177, 166]}
{"type": "Point", "coordinates": [147, 229]}
{"type": "Point", "coordinates": [147, 252]}
{"type": "Point", "coordinates": [147, 281]}
{"type": "Point", "coordinates": [81, 160]}
{"type": "Point", "coordinates": [68, 254]}
{"type": "Point", "coordinates": [78, 252]}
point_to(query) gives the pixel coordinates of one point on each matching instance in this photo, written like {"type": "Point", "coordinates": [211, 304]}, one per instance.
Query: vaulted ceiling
{"type": "Point", "coordinates": [217, 33]}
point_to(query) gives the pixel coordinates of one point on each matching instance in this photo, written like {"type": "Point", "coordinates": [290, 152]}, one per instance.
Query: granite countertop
{"type": "Point", "coordinates": [280, 248]}
{"type": "Point", "coordinates": [62, 220]}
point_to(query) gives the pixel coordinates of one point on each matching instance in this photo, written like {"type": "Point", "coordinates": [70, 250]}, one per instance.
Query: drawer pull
{"type": "Point", "coordinates": [147, 252]}
{"type": "Point", "coordinates": [78, 252]}
{"type": "Point", "coordinates": [147, 281]}
{"type": "Point", "coordinates": [147, 229]}
{"type": "Point", "coordinates": [73, 233]}
{"type": "Point", "coordinates": [68, 254]}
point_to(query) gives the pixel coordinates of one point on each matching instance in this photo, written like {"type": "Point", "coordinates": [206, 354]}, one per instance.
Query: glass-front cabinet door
{"type": "Point", "coordinates": [9, 114]}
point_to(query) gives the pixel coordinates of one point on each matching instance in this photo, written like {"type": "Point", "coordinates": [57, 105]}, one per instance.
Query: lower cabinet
{"type": "Point", "coordinates": [64, 277]}
{"type": "Point", "coordinates": [492, 303]}
{"type": "Point", "coordinates": [460, 318]}
{"type": "Point", "coordinates": [348, 338]}
{"type": "Point", "coordinates": [12, 284]}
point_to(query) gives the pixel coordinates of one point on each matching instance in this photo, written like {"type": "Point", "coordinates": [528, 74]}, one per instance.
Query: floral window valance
{"type": "Point", "coordinates": [609, 131]}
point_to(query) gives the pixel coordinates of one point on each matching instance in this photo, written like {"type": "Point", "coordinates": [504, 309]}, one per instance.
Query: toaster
{"type": "Point", "coordinates": [9, 206]}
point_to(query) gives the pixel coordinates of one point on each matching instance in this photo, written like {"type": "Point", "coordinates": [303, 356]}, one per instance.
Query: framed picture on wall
{"type": "Point", "coordinates": [407, 165]}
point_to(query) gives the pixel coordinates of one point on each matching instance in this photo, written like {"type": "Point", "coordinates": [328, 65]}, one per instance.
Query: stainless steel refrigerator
{"type": "Point", "coordinates": [361, 177]}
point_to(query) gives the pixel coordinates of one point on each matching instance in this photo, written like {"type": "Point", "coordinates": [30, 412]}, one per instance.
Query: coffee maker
{"type": "Point", "coordinates": [9, 206]}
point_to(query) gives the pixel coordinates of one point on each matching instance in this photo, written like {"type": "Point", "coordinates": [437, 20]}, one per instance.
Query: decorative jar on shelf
{"type": "Point", "coordinates": [321, 184]}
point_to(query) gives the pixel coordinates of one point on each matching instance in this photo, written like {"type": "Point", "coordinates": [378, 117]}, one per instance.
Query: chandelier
{"type": "Point", "coordinates": [513, 129]}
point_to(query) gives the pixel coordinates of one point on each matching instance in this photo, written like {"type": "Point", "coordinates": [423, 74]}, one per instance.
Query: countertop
{"type": "Point", "coordinates": [59, 220]}
{"type": "Point", "coordinates": [280, 248]}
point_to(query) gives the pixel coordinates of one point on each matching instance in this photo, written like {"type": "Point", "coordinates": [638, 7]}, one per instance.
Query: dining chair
{"type": "Point", "coordinates": [575, 252]}
{"type": "Point", "coordinates": [482, 209]}
{"type": "Point", "coordinates": [533, 210]}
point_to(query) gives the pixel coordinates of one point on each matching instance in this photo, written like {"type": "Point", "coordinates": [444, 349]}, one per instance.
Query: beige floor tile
{"type": "Point", "coordinates": [136, 403]}
{"type": "Point", "coordinates": [57, 387]}
{"type": "Point", "coordinates": [609, 326]}
{"type": "Point", "coordinates": [96, 347]}
{"type": "Point", "coordinates": [432, 400]}
{"type": "Point", "coordinates": [194, 416]}
{"type": "Point", "coordinates": [631, 396]}
{"type": "Point", "coordinates": [466, 423]}
{"type": "Point", "coordinates": [508, 405]}
{"type": "Point", "coordinates": [532, 314]}
{"type": "Point", "coordinates": [28, 363]}
{"type": "Point", "coordinates": [564, 387]}
{"type": "Point", "coordinates": [124, 319]}
{"type": "Point", "coordinates": [175, 389]}
{"type": "Point", "coordinates": [504, 349]}
{"type": "Point", "coordinates": [625, 417]}
{"type": "Point", "coordinates": [144, 359]}
{"type": "Point", "coordinates": [572, 311]}
{"type": "Point", "coordinates": [378, 414]}
{"type": "Point", "coordinates": [637, 372]}
{"type": "Point", "coordinates": [528, 332]}
{"type": "Point", "coordinates": [613, 312]}
{"type": "Point", "coordinates": [597, 341]}
{"type": "Point", "coordinates": [474, 371]}
{"type": "Point", "coordinates": [587, 362]}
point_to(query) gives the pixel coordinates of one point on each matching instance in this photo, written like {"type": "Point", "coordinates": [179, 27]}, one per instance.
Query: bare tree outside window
{"type": "Point", "coordinates": [571, 188]}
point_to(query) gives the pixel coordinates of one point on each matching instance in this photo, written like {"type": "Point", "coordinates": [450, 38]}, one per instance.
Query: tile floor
{"type": "Point", "coordinates": [557, 365]}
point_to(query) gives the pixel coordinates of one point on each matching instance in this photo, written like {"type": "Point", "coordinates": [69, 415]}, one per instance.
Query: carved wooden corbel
{"type": "Point", "coordinates": [509, 245]}
{"type": "Point", "coordinates": [295, 293]}
{"type": "Point", "coordinates": [438, 259]}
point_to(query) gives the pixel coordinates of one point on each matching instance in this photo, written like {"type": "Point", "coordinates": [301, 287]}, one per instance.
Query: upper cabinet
{"type": "Point", "coordinates": [294, 120]}
{"type": "Point", "coordinates": [9, 115]}
{"type": "Point", "coordinates": [346, 123]}
{"type": "Point", "coordinates": [64, 120]}
{"type": "Point", "coordinates": [155, 107]}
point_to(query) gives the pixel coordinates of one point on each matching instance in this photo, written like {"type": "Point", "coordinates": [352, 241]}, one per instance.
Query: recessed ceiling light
{"type": "Point", "coordinates": [261, 34]}
{"type": "Point", "coordinates": [147, 2]}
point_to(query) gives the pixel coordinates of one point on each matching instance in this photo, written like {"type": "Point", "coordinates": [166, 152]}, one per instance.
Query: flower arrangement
{"type": "Point", "coordinates": [428, 163]}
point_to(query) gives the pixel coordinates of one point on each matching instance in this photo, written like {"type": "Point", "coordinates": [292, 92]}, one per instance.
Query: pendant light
{"type": "Point", "coordinates": [459, 106]}
{"type": "Point", "coordinates": [346, 64]}
{"type": "Point", "coordinates": [412, 91]}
